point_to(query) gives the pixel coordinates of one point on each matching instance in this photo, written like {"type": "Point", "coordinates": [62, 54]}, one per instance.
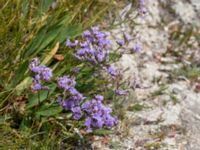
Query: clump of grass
{"type": "Point", "coordinates": [30, 28]}
{"type": "Point", "coordinates": [190, 72]}
{"type": "Point", "coordinates": [136, 107]}
{"type": "Point", "coordinates": [173, 98]}
{"type": "Point", "coordinates": [160, 91]}
{"type": "Point", "coordinates": [38, 28]}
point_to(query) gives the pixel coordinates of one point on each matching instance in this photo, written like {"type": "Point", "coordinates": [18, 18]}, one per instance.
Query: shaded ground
{"type": "Point", "coordinates": [163, 105]}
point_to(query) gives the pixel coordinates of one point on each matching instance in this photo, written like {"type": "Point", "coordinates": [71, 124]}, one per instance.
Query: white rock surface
{"type": "Point", "coordinates": [171, 117]}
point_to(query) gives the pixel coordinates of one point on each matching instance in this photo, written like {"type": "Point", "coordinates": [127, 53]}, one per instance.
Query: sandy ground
{"type": "Point", "coordinates": [165, 113]}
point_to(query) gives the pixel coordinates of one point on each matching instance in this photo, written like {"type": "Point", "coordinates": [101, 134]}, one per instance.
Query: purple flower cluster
{"type": "Point", "coordinates": [66, 83]}
{"type": "Point", "coordinates": [72, 102]}
{"type": "Point", "coordinates": [97, 114]}
{"type": "Point", "coordinates": [41, 73]}
{"type": "Point", "coordinates": [121, 92]}
{"type": "Point", "coordinates": [112, 71]}
{"type": "Point", "coordinates": [93, 47]}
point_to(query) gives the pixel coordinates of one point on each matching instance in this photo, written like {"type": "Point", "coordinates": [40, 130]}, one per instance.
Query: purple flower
{"type": "Point", "coordinates": [59, 100]}
{"type": "Point", "coordinates": [76, 112]}
{"type": "Point", "coordinates": [120, 42]}
{"type": "Point", "coordinates": [112, 71]}
{"type": "Point", "coordinates": [121, 92]}
{"type": "Point", "coordinates": [84, 44]}
{"type": "Point", "coordinates": [73, 91]}
{"type": "Point", "coordinates": [85, 106]}
{"type": "Point", "coordinates": [93, 46]}
{"type": "Point", "coordinates": [97, 121]}
{"type": "Point", "coordinates": [95, 28]}
{"type": "Point", "coordinates": [71, 44]}
{"type": "Point", "coordinates": [110, 121]}
{"type": "Point", "coordinates": [72, 101]}
{"type": "Point", "coordinates": [107, 33]}
{"type": "Point", "coordinates": [76, 95]}
{"type": "Point", "coordinates": [88, 123]}
{"type": "Point", "coordinates": [36, 86]}
{"type": "Point", "coordinates": [36, 69]}
{"type": "Point", "coordinates": [86, 33]}
{"type": "Point", "coordinates": [46, 73]}
{"type": "Point", "coordinates": [37, 77]}
{"type": "Point", "coordinates": [142, 8]}
{"type": "Point", "coordinates": [99, 97]}
{"type": "Point", "coordinates": [97, 114]}
{"type": "Point", "coordinates": [127, 37]}
{"type": "Point", "coordinates": [100, 35]}
{"type": "Point", "coordinates": [65, 82]}
{"type": "Point", "coordinates": [137, 47]}
{"type": "Point", "coordinates": [101, 56]}
{"type": "Point", "coordinates": [67, 104]}
{"type": "Point", "coordinates": [33, 65]}
{"type": "Point", "coordinates": [41, 73]}
{"type": "Point", "coordinates": [81, 52]}
{"type": "Point", "coordinates": [103, 43]}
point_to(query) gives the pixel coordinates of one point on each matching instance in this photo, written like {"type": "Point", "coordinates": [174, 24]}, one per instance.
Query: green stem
{"type": "Point", "coordinates": [38, 97]}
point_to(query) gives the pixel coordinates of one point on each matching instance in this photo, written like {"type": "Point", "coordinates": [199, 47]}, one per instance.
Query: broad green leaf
{"type": "Point", "coordinates": [25, 6]}
{"type": "Point", "coordinates": [33, 46]}
{"type": "Point", "coordinates": [25, 126]}
{"type": "Point", "coordinates": [20, 73]}
{"type": "Point", "coordinates": [50, 111]}
{"type": "Point", "coordinates": [36, 98]}
{"type": "Point", "coordinates": [70, 32]}
{"type": "Point", "coordinates": [49, 37]}
{"type": "Point", "coordinates": [44, 5]}
{"type": "Point", "coordinates": [23, 85]}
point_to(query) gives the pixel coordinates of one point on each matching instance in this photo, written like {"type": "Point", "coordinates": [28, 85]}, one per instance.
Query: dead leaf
{"type": "Point", "coordinates": [197, 87]}
{"type": "Point", "coordinates": [51, 53]}
{"type": "Point", "coordinates": [83, 132]}
{"type": "Point", "coordinates": [59, 57]}
{"type": "Point", "coordinates": [106, 140]}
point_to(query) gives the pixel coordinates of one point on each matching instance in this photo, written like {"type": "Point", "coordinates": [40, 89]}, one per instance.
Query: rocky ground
{"type": "Point", "coordinates": [163, 106]}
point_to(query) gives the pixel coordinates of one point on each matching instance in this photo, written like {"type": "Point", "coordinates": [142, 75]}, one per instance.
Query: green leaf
{"type": "Point", "coordinates": [36, 98]}
{"type": "Point", "coordinates": [136, 107]}
{"type": "Point", "coordinates": [44, 5]}
{"type": "Point", "coordinates": [23, 85]}
{"type": "Point", "coordinates": [20, 73]}
{"type": "Point", "coordinates": [33, 46]}
{"type": "Point", "coordinates": [49, 111]}
{"type": "Point", "coordinates": [70, 32]}
{"type": "Point", "coordinates": [49, 37]}
{"type": "Point", "coordinates": [102, 132]}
